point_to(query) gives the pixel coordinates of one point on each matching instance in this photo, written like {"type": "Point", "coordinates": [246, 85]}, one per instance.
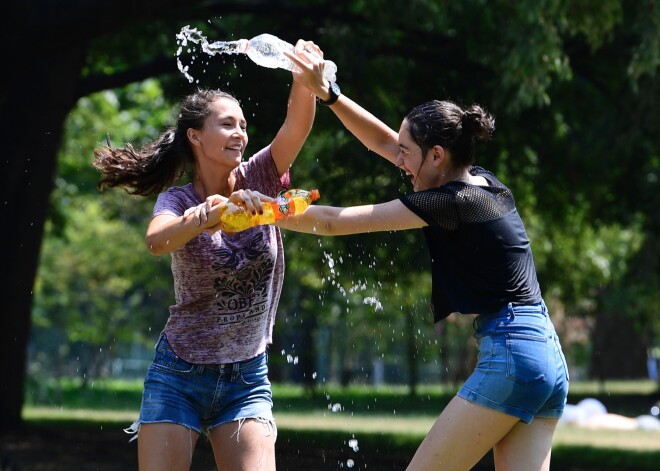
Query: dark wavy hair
{"type": "Point", "coordinates": [446, 124]}
{"type": "Point", "coordinates": [160, 163]}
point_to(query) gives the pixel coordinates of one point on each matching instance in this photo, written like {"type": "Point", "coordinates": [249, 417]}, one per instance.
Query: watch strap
{"type": "Point", "coordinates": [334, 95]}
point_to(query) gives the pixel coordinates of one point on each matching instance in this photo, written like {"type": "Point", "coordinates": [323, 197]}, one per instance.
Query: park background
{"type": "Point", "coordinates": [573, 86]}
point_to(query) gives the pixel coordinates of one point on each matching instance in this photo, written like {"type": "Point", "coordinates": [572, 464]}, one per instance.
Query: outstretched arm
{"type": "Point", "coordinates": [167, 233]}
{"type": "Point", "coordinates": [331, 220]}
{"type": "Point", "coordinates": [370, 130]}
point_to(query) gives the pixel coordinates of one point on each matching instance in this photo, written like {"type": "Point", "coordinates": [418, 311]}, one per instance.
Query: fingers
{"type": "Point", "coordinates": [207, 214]}
{"type": "Point", "coordinates": [201, 213]}
{"type": "Point", "coordinates": [251, 200]}
{"type": "Point", "coordinates": [310, 66]}
{"type": "Point", "coordinates": [308, 47]}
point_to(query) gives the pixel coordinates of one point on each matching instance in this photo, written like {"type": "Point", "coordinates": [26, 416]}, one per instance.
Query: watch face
{"type": "Point", "coordinates": [334, 95]}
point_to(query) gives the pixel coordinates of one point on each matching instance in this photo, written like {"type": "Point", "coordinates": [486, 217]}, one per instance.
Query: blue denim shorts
{"type": "Point", "coordinates": [521, 369]}
{"type": "Point", "coordinates": [202, 397]}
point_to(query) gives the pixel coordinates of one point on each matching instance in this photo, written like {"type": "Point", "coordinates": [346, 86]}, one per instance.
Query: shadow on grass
{"type": "Point", "coordinates": [49, 445]}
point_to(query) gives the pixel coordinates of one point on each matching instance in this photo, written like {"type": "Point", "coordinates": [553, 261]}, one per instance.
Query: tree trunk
{"type": "Point", "coordinates": [41, 92]}
{"type": "Point", "coordinates": [411, 352]}
{"type": "Point", "coordinates": [619, 350]}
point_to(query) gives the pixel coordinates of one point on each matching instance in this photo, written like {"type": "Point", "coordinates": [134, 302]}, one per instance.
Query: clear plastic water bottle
{"type": "Point", "coordinates": [266, 50]}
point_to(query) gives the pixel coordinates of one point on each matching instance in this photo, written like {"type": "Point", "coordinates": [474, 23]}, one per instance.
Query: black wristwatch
{"type": "Point", "coordinates": [334, 95]}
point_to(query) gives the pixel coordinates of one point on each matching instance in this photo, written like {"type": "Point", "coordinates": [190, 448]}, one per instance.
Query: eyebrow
{"type": "Point", "coordinates": [232, 118]}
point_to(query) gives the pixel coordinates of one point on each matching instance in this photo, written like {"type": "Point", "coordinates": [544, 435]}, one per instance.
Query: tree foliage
{"type": "Point", "coordinates": [572, 84]}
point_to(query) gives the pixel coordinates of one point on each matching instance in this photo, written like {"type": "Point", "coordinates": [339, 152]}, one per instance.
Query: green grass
{"type": "Point", "coordinates": [378, 417]}
{"type": "Point", "coordinates": [357, 409]}
{"type": "Point", "coordinates": [622, 397]}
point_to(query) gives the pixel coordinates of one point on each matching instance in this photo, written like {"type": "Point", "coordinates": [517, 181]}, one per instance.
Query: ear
{"type": "Point", "coordinates": [439, 155]}
{"type": "Point", "coordinates": [192, 136]}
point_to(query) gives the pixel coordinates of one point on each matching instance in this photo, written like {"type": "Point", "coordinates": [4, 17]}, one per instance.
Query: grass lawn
{"type": "Point", "coordinates": [354, 425]}
{"type": "Point", "coordinates": [353, 411]}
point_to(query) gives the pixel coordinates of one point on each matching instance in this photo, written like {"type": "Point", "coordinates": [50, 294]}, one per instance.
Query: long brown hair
{"type": "Point", "coordinates": [160, 163]}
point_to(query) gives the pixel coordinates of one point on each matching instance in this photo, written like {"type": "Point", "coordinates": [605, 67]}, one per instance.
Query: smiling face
{"type": "Point", "coordinates": [223, 138]}
{"type": "Point", "coordinates": [421, 169]}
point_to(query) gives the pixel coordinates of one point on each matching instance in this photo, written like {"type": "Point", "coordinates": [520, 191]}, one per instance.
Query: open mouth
{"type": "Point", "coordinates": [236, 147]}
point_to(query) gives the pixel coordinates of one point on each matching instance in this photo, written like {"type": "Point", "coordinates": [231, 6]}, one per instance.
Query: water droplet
{"type": "Point", "coordinates": [353, 444]}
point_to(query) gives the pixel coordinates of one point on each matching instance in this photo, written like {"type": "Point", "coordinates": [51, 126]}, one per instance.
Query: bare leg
{"type": "Point", "coordinates": [165, 447]}
{"type": "Point", "coordinates": [526, 447]}
{"type": "Point", "coordinates": [244, 445]}
{"type": "Point", "coordinates": [460, 437]}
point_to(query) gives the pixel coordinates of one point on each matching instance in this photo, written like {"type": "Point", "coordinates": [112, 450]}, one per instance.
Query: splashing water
{"type": "Point", "coordinates": [353, 444]}
{"type": "Point", "coordinates": [188, 37]}
{"type": "Point", "coordinates": [195, 36]}
{"type": "Point", "coordinates": [372, 301]}
{"type": "Point", "coordinates": [264, 49]}
{"type": "Point", "coordinates": [357, 285]}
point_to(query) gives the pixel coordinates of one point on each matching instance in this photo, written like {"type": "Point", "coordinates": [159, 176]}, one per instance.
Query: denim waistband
{"type": "Point", "coordinates": [239, 365]}
{"type": "Point", "coordinates": [163, 346]}
{"type": "Point", "coordinates": [486, 322]}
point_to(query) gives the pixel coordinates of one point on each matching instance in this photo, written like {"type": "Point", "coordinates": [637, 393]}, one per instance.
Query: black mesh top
{"type": "Point", "coordinates": [481, 257]}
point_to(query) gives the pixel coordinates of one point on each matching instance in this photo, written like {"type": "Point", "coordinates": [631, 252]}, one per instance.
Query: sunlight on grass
{"type": "Point", "coordinates": [420, 425]}
{"type": "Point", "coordinates": [45, 413]}
{"type": "Point", "coordinates": [415, 425]}
{"type": "Point", "coordinates": [614, 387]}
{"type": "Point", "coordinates": [620, 439]}
{"type": "Point", "coordinates": [360, 410]}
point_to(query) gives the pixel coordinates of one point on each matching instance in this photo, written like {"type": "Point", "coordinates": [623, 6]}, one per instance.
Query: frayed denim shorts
{"type": "Point", "coordinates": [521, 369]}
{"type": "Point", "coordinates": [202, 397]}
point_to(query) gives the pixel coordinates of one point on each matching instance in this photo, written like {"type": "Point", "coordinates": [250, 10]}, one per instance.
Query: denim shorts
{"type": "Point", "coordinates": [521, 369]}
{"type": "Point", "coordinates": [202, 397]}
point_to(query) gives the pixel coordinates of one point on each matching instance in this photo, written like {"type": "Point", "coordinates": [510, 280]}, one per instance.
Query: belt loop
{"type": "Point", "coordinates": [236, 370]}
{"type": "Point", "coordinates": [511, 313]}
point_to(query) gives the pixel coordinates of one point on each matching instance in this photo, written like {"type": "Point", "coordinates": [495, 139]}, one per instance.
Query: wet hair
{"type": "Point", "coordinates": [160, 163]}
{"type": "Point", "coordinates": [446, 124]}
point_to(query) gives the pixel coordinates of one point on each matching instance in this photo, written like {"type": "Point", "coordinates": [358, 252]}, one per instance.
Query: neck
{"type": "Point", "coordinates": [206, 186]}
{"type": "Point", "coordinates": [455, 174]}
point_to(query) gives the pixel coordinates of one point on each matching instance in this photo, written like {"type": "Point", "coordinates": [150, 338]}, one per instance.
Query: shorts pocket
{"type": "Point", "coordinates": [166, 360]}
{"type": "Point", "coordinates": [255, 376]}
{"type": "Point", "coordinates": [527, 358]}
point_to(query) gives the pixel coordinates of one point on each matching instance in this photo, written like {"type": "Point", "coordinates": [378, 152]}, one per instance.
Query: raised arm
{"type": "Point", "coordinates": [370, 130]}
{"type": "Point", "coordinates": [290, 138]}
{"type": "Point", "coordinates": [301, 107]}
{"type": "Point", "coordinates": [331, 220]}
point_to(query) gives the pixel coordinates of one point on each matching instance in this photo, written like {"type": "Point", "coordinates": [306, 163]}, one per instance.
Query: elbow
{"type": "Point", "coordinates": [155, 247]}
{"type": "Point", "coordinates": [324, 228]}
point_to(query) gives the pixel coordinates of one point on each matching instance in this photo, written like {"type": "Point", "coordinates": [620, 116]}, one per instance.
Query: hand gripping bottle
{"type": "Point", "coordinates": [236, 218]}
{"type": "Point", "coordinates": [266, 50]}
